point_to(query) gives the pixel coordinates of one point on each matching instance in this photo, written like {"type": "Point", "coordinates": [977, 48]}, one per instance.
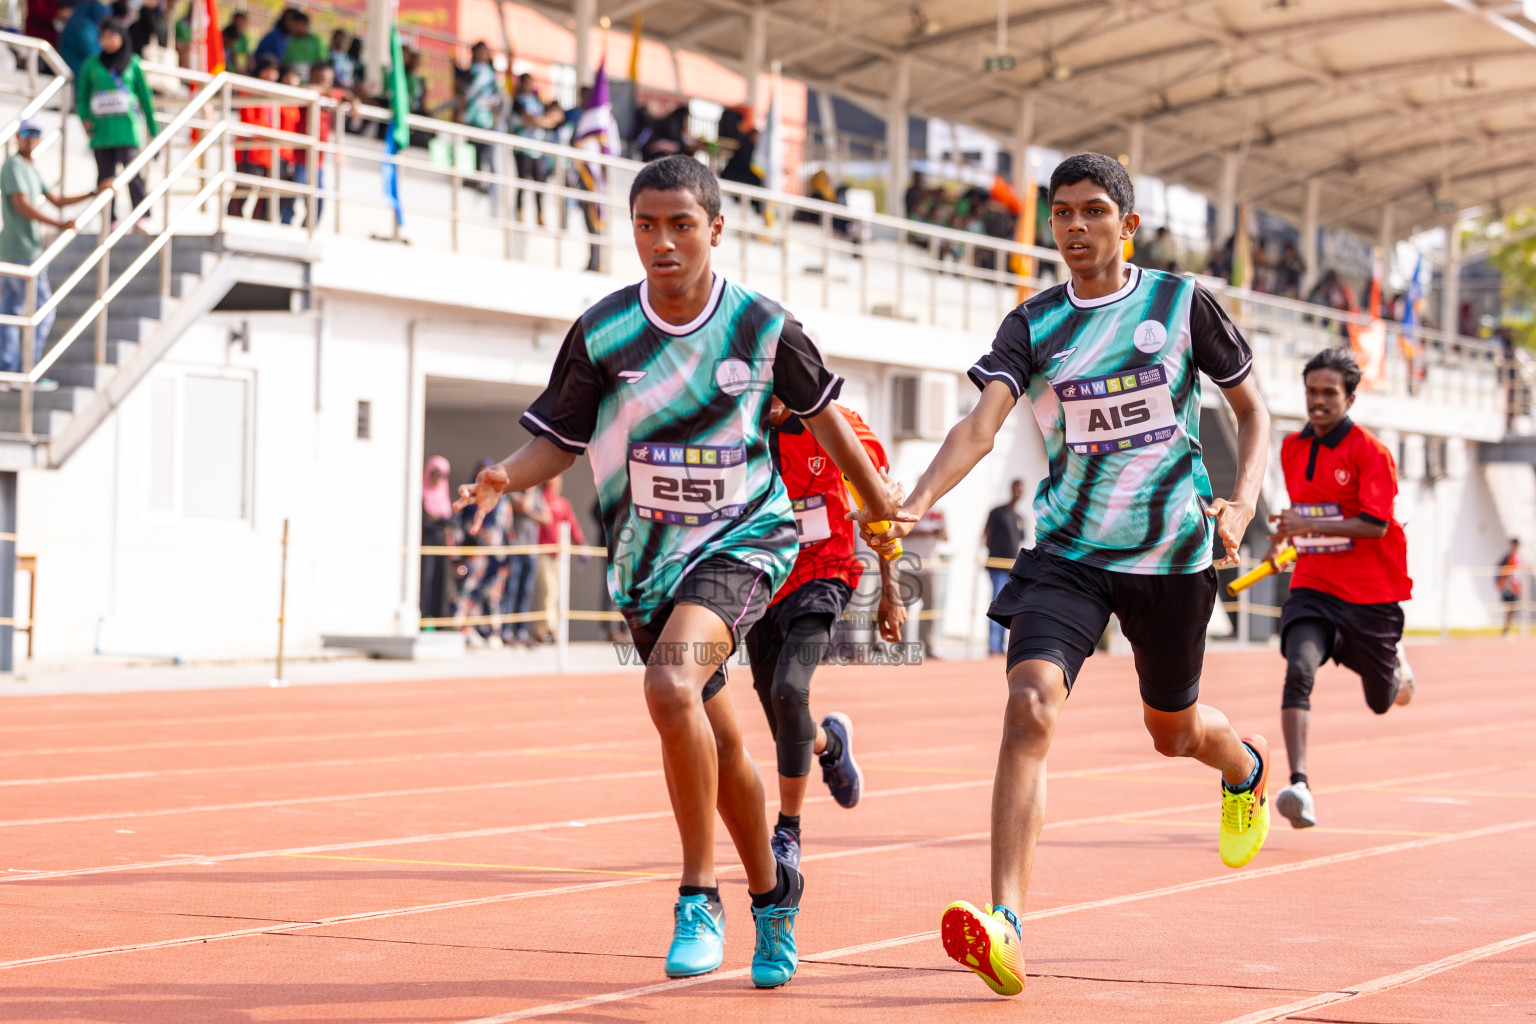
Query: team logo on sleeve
{"type": "Point", "coordinates": [1149, 336]}
{"type": "Point", "coordinates": [1341, 476]}
{"type": "Point", "coordinates": [817, 464]}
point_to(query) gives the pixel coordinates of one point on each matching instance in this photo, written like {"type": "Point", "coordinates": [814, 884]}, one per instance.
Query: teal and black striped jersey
{"type": "Point", "coordinates": [1116, 392]}
{"type": "Point", "coordinates": [675, 419]}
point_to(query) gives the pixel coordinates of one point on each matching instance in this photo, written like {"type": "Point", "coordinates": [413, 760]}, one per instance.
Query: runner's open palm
{"type": "Point", "coordinates": [490, 483]}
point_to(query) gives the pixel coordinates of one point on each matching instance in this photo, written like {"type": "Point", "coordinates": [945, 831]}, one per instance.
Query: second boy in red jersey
{"type": "Point", "coordinates": [1353, 566]}
{"type": "Point", "coordinates": [793, 636]}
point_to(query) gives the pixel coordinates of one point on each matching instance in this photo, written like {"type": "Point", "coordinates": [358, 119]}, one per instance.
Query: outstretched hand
{"type": "Point", "coordinates": [1232, 519]}
{"type": "Point", "coordinates": [897, 526]}
{"type": "Point", "coordinates": [490, 484]}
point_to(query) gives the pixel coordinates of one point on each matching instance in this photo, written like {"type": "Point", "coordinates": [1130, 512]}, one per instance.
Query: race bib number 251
{"type": "Point", "coordinates": [1118, 412]}
{"type": "Point", "coordinates": [687, 485]}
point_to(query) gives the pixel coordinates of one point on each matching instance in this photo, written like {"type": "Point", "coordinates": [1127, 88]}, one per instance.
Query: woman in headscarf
{"type": "Point", "coordinates": [485, 578]}
{"type": "Point", "coordinates": [114, 101]}
{"type": "Point", "coordinates": [437, 530]}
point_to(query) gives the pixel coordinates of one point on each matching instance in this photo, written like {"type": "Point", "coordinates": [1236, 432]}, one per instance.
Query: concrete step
{"type": "Point", "coordinates": [63, 399]}
{"type": "Point", "coordinates": [83, 352]}
{"type": "Point", "coordinates": [45, 422]}
{"type": "Point", "coordinates": [88, 375]}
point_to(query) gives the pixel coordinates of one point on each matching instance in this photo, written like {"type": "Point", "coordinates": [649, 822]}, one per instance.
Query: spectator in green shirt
{"type": "Point", "coordinates": [21, 241]}
{"type": "Point", "coordinates": [305, 49]}
{"type": "Point", "coordinates": [117, 108]}
{"type": "Point", "coordinates": [237, 45]}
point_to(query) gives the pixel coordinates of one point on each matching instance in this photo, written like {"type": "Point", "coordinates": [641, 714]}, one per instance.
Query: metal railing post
{"type": "Point", "coordinates": [563, 604]}
{"type": "Point", "coordinates": [1244, 605]}
{"type": "Point", "coordinates": [103, 278]}
{"type": "Point", "coordinates": [826, 261]}
{"type": "Point", "coordinates": [339, 134]}
{"type": "Point", "coordinates": [784, 217]}
{"type": "Point", "coordinates": [453, 197]}
{"type": "Point", "coordinates": [312, 170]}
{"type": "Point", "coordinates": [226, 150]}
{"type": "Point", "coordinates": [934, 270]}
{"type": "Point", "coordinates": [28, 352]}
{"type": "Point", "coordinates": [504, 203]}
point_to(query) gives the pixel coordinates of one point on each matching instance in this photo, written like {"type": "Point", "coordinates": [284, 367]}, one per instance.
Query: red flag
{"type": "Point", "coordinates": [214, 53]}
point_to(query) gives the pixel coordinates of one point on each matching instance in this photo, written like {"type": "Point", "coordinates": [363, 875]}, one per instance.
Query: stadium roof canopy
{"type": "Point", "coordinates": [1413, 107]}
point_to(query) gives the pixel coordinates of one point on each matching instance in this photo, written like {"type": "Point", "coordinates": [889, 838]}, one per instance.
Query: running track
{"type": "Point", "coordinates": [485, 850]}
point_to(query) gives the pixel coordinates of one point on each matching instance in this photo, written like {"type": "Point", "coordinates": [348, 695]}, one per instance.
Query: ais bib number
{"type": "Point", "coordinates": [811, 524]}
{"type": "Point", "coordinates": [1119, 412]}
{"type": "Point", "coordinates": [1323, 512]}
{"type": "Point", "coordinates": [109, 103]}
{"type": "Point", "coordinates": [687, 485]}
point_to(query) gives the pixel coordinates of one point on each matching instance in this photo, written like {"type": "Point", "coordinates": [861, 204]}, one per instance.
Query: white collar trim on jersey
{"type": "Point", "coordinates": [678, 330]}
{"type": "Point", "coordinates": [1134, 279]}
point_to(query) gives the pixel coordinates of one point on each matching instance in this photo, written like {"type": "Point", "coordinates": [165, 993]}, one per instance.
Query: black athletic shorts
{"type": "Point", "coordinates": [1365, 636]}
{"type": "Point", "coordinates": [1057, 609]}
{"type": "Point", "coordinates": [766, 641]}
{"type": "Point", "coordinates": [732, 590]}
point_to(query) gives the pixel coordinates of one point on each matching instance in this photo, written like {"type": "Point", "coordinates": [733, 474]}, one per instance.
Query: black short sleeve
{"type": "Point", "coordinates": [1219, 347]}
{"type": "Point", "coordinates": [566, 412]}
{"type": "Point", "coordinates": [1010, 360]}
{"type": "Point", "coordinates": [800, 379]}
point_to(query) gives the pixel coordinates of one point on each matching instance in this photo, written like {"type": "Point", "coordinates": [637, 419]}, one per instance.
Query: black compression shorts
{"type": "Point", "coordinates": [1057, 609]}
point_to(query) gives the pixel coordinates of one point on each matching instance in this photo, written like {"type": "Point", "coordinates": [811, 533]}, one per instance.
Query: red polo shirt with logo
{"type": "Point", "coordinates": [1345, 474]}
{"type": "Point", "coordinates": [820, 501]}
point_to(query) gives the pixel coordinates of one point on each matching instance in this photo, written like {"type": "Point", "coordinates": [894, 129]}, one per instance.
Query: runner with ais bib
{"type": "Point", "coordinates": [665, 385]}
{"type": "Point", "coordinates": [790, 640]}
{"type": "Point", "coordinates": [1126, 524]}
{"type": "Point", "coordinates": [1352, 564]}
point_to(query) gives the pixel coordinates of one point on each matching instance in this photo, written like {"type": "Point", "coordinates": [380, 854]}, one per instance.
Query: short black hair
{"type": "Point", "coordinates": [675, 172]}
{"type": "Point", "coordinates": [1104, 171]}
{"type": "Point", "coordinates": [1340, 359]}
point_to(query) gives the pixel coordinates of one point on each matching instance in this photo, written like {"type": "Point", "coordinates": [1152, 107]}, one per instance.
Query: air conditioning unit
{"type": "Point", "coordinates": [923, 405]}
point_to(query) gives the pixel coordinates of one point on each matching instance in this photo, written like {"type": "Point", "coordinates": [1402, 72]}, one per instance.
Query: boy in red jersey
{"type": "Point", "coordinates": [1353, 566]}
{"type": "Point", "coordinates": [794, 634]}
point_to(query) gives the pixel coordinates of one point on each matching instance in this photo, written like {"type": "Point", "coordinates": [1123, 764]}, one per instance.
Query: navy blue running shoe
{"type": "Point", "coordinates": [843, 776]}
{"type": "Point", "coordinates": [786, 846]}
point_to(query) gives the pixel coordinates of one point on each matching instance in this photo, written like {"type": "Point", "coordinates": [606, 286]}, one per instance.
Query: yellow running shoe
{"type": "Point", "coordinates": [986, 943]}
{"type": "Point", "coordinates": [1245, 816]}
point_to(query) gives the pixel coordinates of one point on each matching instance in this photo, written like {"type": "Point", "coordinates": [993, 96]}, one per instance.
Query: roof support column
{"type": "Point", "coordinates": [1226, 199]}
{"type": "Point", "coordinates": [1023, 137]}
{"type": "Point", "coordinates": [828, 111]}
{"type": "Point", "coordinates": [756, 62]}
{"type": "Point", "coordinates": [1450, 278]}
{"type": "Point", "coordinates": [1310, 255]}
{"type": "Point", "coordinates": [586, 21]}
{"type": "Point", "coordinates": [381, 18]}
{"type": "Point", "coordinates": [1135, 149]}
{"type": "Point", "coordinates": [896, 142]}
{"type": "Point", "coordinates": [1388, 232]}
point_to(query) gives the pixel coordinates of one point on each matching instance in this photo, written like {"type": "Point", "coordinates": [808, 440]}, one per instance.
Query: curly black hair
{"type": "Point", "coordinates": [1104, 171]}
{"type": "Point", "coordinates": [1340, 359]}
{"type": "Point", "coordinates": [675, 172]}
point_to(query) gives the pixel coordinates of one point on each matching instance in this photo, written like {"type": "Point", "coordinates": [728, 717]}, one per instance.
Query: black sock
{"type": "Point", "coordinates": [1253, 778]}
{"type": "Point", "coordinates": [791, 822]}
{"type": "Point", "coordinates": [709, 892]}
{"type": "Point", "coordinates": [1299, 778]}
{"type": "Point", "coordinates": [777, 893]}
{"type": "Point", "coordinates": [833, 750]}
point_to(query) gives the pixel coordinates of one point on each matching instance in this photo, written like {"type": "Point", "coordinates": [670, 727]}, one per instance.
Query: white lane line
{"type": "Point", "coordinates": [349, 762]}
{"type": "Point", "coordinates": [832, 955]}
{"type": "Point", "coordinates": [439, 730]}
{"type": "Point", "coordinates": [1383, 984]}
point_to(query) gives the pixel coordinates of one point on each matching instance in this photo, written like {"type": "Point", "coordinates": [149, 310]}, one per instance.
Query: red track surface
{"type": "Point", "coordinates": [470, 849]}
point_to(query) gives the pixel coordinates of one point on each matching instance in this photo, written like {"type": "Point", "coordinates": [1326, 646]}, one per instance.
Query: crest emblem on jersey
{"type": "Point", "coordinates": [632, 376]}
{"type": "Point", "coordinates": [733, 376]}
{"type": "Point", "coordinates": [817, 463]}
{"type": "Point", "coordinates": [1341, 476]}
{"type": "Point", "coordinates": [1149, 336]}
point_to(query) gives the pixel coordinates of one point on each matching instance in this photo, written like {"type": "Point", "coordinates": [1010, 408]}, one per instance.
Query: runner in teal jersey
{"type": "Point", "coordinates": [1110, 362]}
{"type": "Point", "coordinates": [666, 385]}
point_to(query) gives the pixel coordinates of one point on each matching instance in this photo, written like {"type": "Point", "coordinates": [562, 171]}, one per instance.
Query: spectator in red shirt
{"type": "Point", "coordinates": [256, 158]}
{"type": "Point", "coordinates": [1509, 584]}
{"type": "Point", "coordinates": [1352, 566]}
{"type": "Point", "coordinates": [557, 510]}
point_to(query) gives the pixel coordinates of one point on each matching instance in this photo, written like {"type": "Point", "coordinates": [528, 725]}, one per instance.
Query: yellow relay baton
{"type": "Point", "coordinates": [879, 527]}
{"type": "Point", "coordinates": [1268, 567]}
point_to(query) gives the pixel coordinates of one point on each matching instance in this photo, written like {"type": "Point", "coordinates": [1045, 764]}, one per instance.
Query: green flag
{"type": "Point", "coordinates": [399, 92]}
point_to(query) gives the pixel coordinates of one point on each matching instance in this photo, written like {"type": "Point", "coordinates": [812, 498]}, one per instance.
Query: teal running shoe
{"type": "Point", "coordinates": [774, 957]}
{"type": "Point", "coordinates": [698, 938]}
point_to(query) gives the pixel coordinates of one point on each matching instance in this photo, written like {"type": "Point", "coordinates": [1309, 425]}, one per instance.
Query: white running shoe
{"type": "Point", "coordinates": [1405, 688]}
{"type": "Point", "coordinates": [1295, 802]}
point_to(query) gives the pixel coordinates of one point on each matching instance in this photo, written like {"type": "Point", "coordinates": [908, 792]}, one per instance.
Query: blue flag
{"type": "Point", "coordinates": [389, 177]}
